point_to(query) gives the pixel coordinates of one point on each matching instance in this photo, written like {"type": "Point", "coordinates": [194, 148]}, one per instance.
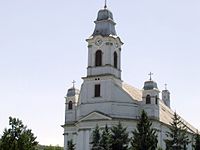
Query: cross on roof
{"type": "Point", "coordinates": [150, 74]}
{"type": "Point", "coordinates": [165, 86]}
{"type": "Point", "coordinates": [73, 82]}
{"type": "Point", "coordinates": [105, 6]}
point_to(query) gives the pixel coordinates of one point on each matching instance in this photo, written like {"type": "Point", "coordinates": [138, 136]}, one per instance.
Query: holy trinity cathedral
{"type": "Point", "coordinates": [105, 99]}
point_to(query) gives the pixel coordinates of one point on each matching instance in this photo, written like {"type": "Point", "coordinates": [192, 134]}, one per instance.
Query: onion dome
{"type": "Point", "coordinates": [150, 85]}
{"type": "Point", "coordinates": [104, 24]}
{"type": "Point", "coordinates": [104, 14]}
{"type": "Point", "coordinates": [72, 92]}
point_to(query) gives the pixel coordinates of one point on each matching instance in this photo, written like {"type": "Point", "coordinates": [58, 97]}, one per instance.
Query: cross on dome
{"type": "Point", "coordinates": [73, 82]}
{"type": "Point", "coordinates": [150, 74]}
{"type": "Point", "coordinates": [105, 6]}
{"type": "Point", "coordinates": [165, 86]}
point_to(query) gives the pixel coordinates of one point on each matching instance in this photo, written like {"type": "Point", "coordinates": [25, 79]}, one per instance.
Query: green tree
{"type": "Point", "coordinates": [70, 145]}
{"type": "Point", "coordinates": [177, 136]}
{"type": "Point", "coordinates": [105, 141]}
{"type": "Point", "coordinates": [197, 142]}
{"type": "Point", "coordinates": [17, 137]}
{"type": "Point", "coordinates": [144, 137]}
{"type": "Point", "coordinates": [96, 139]}
{"type": "Point", "coordinates": [119, 137]}
{"type": "Point", "coordinates": [52, 148]}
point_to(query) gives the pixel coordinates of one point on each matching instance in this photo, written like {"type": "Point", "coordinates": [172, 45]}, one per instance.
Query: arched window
{"type": "Point", "coordinates": [115, 59]}
{"type": "Point", "coordinates": [70, 105]}
{"type": "Point", "coordinates": [148, 99]}
{"type": "Point", "coordinates": [98, 58]}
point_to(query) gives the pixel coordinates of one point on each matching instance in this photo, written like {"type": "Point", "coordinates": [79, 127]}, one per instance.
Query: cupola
{"type": "Point", "coordinates": [72, 92]}
{"type": "Point", "coordinates": [166, 96]}
{"type": "Point", "coordinates": [150, 85]}
{"type": "Point", "coordinates": [150, 92]}
{"type": "Point", "coordinates": [71, 104]}
{"type": "Point", "coordinates": [104, 14]}
{"type": "Point", "coordinates": [104, 24]}
{"type": "Point", "coordinates": [150, 97]}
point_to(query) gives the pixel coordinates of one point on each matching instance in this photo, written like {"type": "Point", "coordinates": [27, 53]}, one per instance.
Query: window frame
{"type": "Point", "coordinates": [98, 58]}
{"type": "Point", "coordinates": [97, 90]}
{"type": "Point", "coordinates": [115, 59]}
{"type": "Point", "coordinates": [70, 105]}
{"type": "Point", "coordinates": [156, 100]}
{"type": "Point", "coordinates": [148, 99]}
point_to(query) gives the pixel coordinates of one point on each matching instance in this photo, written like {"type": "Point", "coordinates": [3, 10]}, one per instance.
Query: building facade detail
{"type": "Point", "coordinates": [105, 99]}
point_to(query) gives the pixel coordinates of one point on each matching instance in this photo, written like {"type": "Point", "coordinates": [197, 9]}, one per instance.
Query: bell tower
{"type": "Point", "coordinates": [104, 67]}
{"type": "Point", "coordinates": [166, 96]}
{"type": "Point", "coordinates": [104, 47]}
{"type": "Point", "coordinates": [71, 101]}
{"type": "Point", "coordinates": [150, 98]}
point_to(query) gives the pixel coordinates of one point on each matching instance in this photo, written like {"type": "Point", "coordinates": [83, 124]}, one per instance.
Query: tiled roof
{"type": "Point", "coordinates": [135, 93]}
{"type": "Point", "coordinates": [166, 113]}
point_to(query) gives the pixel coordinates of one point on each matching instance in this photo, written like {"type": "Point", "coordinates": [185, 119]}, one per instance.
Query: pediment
{"type": "Point", "coordinates": [95, 116]}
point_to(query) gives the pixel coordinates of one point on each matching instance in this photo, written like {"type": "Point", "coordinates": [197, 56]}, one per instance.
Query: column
{"type": "Point", "coordinates": [80, 141]}
{"type": "Point", "coordinates": [65, 141]}
{"type": "Point", "coordinates": [87, 137]}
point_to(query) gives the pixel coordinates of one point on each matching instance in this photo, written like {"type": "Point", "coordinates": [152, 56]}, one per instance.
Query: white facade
{"type": "Point", "coordinates": [105, 99]}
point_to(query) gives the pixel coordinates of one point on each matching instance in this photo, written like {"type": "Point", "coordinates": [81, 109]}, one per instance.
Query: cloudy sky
{"type": "Point", "coordinates": [43, 48]}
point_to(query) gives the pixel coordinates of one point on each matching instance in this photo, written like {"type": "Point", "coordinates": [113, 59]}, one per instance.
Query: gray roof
{"type": "Point", "coordinates": [135, 93]}
{"type": "Point", "coordinates": [104, 14]}
{"type": "Point", "coordinates": [72, 92]}
{"type": "Point", "coordinates": [166, 113]}
{"type": "Point", "coordinates": [150, 85]}
{"type": "Point", "coordinates": [104, 24]}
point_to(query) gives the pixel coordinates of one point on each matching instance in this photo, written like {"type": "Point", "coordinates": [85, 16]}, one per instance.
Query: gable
{"type": "Point", "coordinates": [95, 116]}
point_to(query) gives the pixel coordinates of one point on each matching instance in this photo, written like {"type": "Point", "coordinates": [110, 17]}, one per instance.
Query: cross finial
{"type": "Point", "coordinates": [165, 86]}
{"type": "Point", "coordinates": [105, 6]}
{"type": "Point", "coordinates": [150, 74]}
{"type": "Point", "coordinates": [73, 82]}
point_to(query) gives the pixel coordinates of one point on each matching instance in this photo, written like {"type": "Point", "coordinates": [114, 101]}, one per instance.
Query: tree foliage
{"type": "Point", "coordinates": [49, 147]}
{"type": "Point", "coordinates": [17, 137]}
{"type": "Point", "coordinates": [105, 141]}
{"type": "Point", "coordinates": [70, 145]}
{"type": "Point", "coordinates": [52, 148]}
{"type": "Point", "coordinates": [197, 142]}
{"type": "Point", "coordinates": [144, 137]}
{"type": "Point", "coordinates": [96, 139]}
{"type": "Point", "coordinates": [119, 137]}
{"type": "Point", "coordinates": [177, 136]}
{"type": "Point", "coordinates": [115, 138]}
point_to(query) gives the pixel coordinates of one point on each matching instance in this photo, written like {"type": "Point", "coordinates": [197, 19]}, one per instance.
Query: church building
{"type": "Point", "coordinates": [105, 99]}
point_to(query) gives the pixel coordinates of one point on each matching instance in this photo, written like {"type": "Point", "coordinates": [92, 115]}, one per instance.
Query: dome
{"type": "Point", "coordinates": [104, 24]}
{"type": "Point", "coordinates": [150, 85]}
{"type": "Point", "coordinates": [104, 14]}
{"type": "Point", "coordinates": [72, 92]}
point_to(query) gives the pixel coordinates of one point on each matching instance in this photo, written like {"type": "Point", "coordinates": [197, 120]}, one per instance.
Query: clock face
{"type": "Point", "coordinates": [116, 45]}
{"type": "Point", "coordinates": [98, 41]}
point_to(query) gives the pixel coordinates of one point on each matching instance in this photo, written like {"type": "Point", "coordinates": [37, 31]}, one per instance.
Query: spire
{"type": "Point", "coordinates": [73, 82]}
{"type": "Point", "coordinates": [165, 86]}
{"type": "Point", "coordinates": [105, 6]}
{"type": "Point", "coordinates": [150, 84]}
{"type": "Point", "coordinates": [150, 74]}
{"type": "Point", "coordinates": [104, 24]}
{"type": "Point", "coordinates": [166, 96]}
{"type": "Point", "coordinates": [72, 91]}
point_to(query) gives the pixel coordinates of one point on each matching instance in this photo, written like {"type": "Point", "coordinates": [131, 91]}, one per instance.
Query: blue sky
{"type": "Point", "coordinates": [43, 48]}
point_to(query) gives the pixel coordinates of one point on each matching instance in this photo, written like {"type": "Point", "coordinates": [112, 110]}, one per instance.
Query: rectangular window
{"type": "Point", "coordinates": [97, 90]}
